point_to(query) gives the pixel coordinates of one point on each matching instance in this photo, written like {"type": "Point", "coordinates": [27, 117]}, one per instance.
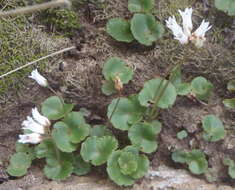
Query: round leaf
{"type": "Point", "coordinates": [116, 67]}
{"type": "Point", "coordinates": [227, 6]}
{"type": "Point", "coordinates": [78, 130]}
{"type": "Point", "coordinates": [97, 150]}
{"type": "Point", "coordinates": [115, 173]}
{"type": "Point", "coordinates": [108, 88]}
{"type": "Point", "coordinates": [127, 162]}
{"type": "Point", "coordinates": [19, 163]}
{"type": "Point", "coordinates": [58, 170]}
{"type": "Point", "coordinates": [151, 90]}
{"type": "Point", "coordinates": [143, 166]}
{"type": "Point", "coordinates": [183, 89]}
{"type": "Point", "coordinates": [230, 103]}
{"type": "Point", "coordinates": [45, 149]}
{"type": "Point", "coordinates": [61, 137]}
{"type": "Point", "coordinates": [213, 128]}
{"type": "Point", "coordinates": [143, 135]}
{"type": "Point", "coordinates": [197, 162]}
{"type": "Point", "coordinates": [125, 111]}
{"type": "Point", "coordinates": [80, 166]}
{"type": "Point", "coordinates": [182, 134]}
{"type": "Point", "coordinates": [202, 88]}
{"type": "Point", "coordinates": [179, 156]}
{"type": "Point", "coordinates": [146, 29]}
{"type": "Point", "coordinates": [54, 109]}
{"type": "Point", "coordinates": [140, 5]}
{"type": "Point", "coordinates": [100, 131]}
{"type": "Point", "coordinates": [119, 29]}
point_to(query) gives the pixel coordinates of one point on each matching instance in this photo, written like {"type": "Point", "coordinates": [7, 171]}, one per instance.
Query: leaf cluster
{"type": "Point", "coordinates": [195, 160]}
{"type": "Point", "coordinates": [116, 73]}
{"type": "Point", "coordinates": [127, 165]}
{"type": "Point", "coordinates": [143, 26]}
{"type": "Point", "coordinates": [200, 87]}
{"type": "Point", "coordinates": [213, 128]}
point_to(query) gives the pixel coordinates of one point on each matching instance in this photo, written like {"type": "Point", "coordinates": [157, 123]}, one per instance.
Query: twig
{"type": "Point", "coordinates": [40, 59]}
{"type": "Point", "coordinates": [34, 8]}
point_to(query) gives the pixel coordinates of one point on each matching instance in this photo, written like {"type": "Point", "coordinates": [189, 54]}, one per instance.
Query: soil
{"type": "Point", "coordinates": [78, 78]}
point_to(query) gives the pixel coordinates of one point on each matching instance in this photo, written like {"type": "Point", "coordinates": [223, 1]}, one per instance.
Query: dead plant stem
{"type": "Point", "coordinates": [40, 59]}
{"type": "Point", "coordinates": [34, 8]}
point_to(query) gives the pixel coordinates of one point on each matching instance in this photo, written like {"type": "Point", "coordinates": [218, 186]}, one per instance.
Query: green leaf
{"type": "Point", "coordinates": [108, 88]}
{"type": "Point", "coordinates": [54, 109]}
{"type": "Point", "coordinates": [231, 167]}
{"type": "Point", "coordinates": [100, 131]}
{"type": "Point", "coordinates": [183, 89]}
{"type": "Point", "coordinates": [230, 103]}
{"type": "Point", "coordinates": [213, 128]}
{"type": "Point", "coordinates": [80, 166]}
{"type": "Point", "coordinates": [119, 29]}
{"type": "Point", "coordinates": [195, 159]}
{"type": "Point", "coordinates": [77, 130]}
{"type": "Point", "coordinates": [125, 166]}
{"type": "Point", "coordinates": [228, 6]}
{"type": "Point", "coordinates": [228, 162]}
{"type": "Point", "coordinates": [143, 166]}
{"type": "Point", "coordinates": [58, 170]}
{"type": "Point", "coordinates": [19, 164]}
{"type": "Point", "coordinates": [114, 171]}
{"type": "Point", "coordinates": [231, 86]}
{"type": "Point", "coordinates": [182, 134]}
{"type": "Point", "coordinates": [197, 162]}
{"type": "Point", "coordinates": [146, 29]}
{"type": "Point", "coordinates": [45, 149]}
{"type": "Point", "coordinates": [144, 135]}
{"type": "Point", "coordinates": [61, 137]}
{"type": "Point", "coordinates": [116, 67]}
{"type": "Point", "coordinates": [125, 111]}
{"type": "Point", "coordinates": [128, 163]}
{"type": "Point", "coordinates": [98, 149]}
{"type": "Point", "coordinates": [179, 156]}
{"type": "Point", "coordinates": [20, 147]}
{"type": "Point", "coordinates": [202, 88]}
{"type": "Point", "coordinates": [140, 5]}
{"type": "Point", "coordinates": [151, 90]}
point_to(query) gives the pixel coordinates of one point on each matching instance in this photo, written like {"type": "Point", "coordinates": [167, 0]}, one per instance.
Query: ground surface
{"type": "Point", "coordinates": [77, 76]}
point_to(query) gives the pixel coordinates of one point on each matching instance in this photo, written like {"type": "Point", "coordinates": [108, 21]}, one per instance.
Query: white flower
{"type": "Point", "coordinates": [184, 35]}
{"type": "Point", "coordinates": [32, 138]}
{"type": "Point", "coordinates": [38, 78]}
{"type": "Point", "coordinates": [198, 37]}
{"type": "Point", "coordinates": [177, 30]}
{"type": "Point", "coordinates": [40, 118]}
{"type": "Point", "coordinates": [187, 20]}
{"type": "Point", "coordinates": [33, 126]}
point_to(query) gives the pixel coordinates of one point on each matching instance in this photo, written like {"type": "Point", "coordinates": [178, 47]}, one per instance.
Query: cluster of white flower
{"type": "Point", "coordinates": [184, 35]}
{"type": "Point", "coordinates": [36, 125]}
{"type": "Point", "coordinates": [38, 122]}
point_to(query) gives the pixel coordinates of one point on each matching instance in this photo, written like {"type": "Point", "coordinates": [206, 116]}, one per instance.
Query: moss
{"type": "Point", "coordinates": [17, 48]}
{"type": "Point", "coordinates": [61, 21]}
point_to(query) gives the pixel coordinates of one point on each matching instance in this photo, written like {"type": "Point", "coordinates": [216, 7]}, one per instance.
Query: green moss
{"type": "Point", "coordinates": [17, 48]}
{"type": "Point", "coordinates": [61, 21]}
